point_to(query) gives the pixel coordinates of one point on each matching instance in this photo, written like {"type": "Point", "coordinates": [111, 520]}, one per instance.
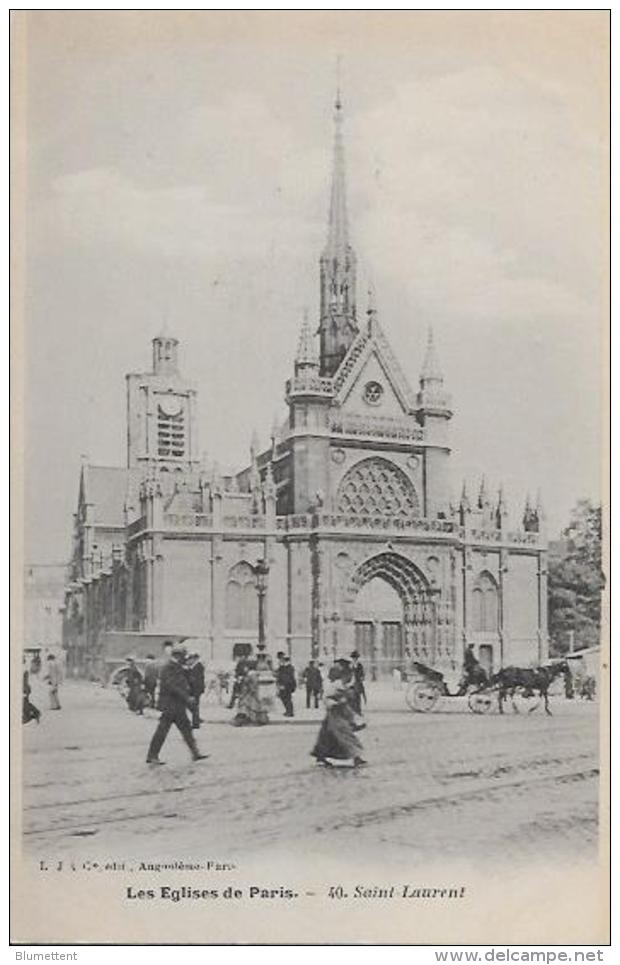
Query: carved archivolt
{"type": "Point", "coordinates": [376, 487]}
{"type": "Point", "coordinates": [410, 583]}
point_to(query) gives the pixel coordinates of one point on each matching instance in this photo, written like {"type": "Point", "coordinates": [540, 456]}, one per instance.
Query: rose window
{"type": "Point", "coordinates": [376, 487]}
{"type": "Point", "coordinates": [373, 392]}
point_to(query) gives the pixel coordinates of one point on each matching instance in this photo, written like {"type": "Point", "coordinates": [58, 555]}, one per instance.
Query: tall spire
{"type": "Point", "coordinates": [338, 229]}
{"type": "Point", "coordinates": [338, 326]}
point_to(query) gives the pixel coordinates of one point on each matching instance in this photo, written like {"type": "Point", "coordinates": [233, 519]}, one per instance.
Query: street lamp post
{"type": "Point", "coordinates": [261, 572]}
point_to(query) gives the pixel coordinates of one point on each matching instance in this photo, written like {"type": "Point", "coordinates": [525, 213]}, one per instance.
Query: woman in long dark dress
{"type": "Point", "coordinates": [337, 738]}
{"type": "Point", "coordinates": [29, 711]}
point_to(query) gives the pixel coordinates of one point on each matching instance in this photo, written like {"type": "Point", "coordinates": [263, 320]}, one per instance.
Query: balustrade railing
{"type": "Point", "coordinates": [342, 521]}
{"type": "Point", "coordinates": [189, 520]}
{"type": "Point", "coordinates": [313, 384]}
{"type": "Point", "coordinates": [377, 427]}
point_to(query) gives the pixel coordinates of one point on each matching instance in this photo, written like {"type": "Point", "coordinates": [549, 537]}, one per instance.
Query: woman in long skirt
{"type": "Point", "coordinates": [337, 739]}
{"type": "Point", "coordinates": [255, 697]}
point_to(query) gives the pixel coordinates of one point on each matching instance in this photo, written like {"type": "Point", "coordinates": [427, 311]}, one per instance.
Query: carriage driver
{"type": "Point", "coordinates": [473, 673]}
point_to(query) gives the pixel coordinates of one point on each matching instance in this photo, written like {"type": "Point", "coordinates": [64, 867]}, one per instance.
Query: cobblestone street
{"type": "Point", "coordinates": [448, 783]}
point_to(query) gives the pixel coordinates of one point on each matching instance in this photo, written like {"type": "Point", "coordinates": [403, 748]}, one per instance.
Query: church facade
{"type": "Point", "coordinates": [348, 512]}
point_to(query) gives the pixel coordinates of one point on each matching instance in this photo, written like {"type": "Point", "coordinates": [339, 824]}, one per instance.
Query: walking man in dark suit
{"type": "Point", "coordinates": [314, 683]}
{"type": "Point", "coordinates": [196, 677]}
{"type": "Point", "coordinates": [174, 701]}
{"type": "Point", "coordinates": [286, 683]}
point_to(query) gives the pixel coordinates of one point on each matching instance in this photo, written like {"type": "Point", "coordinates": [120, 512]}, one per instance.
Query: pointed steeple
{"type": "Point", "coordinates": [338, 326]}
{"type": "Point", "coordinates": [431, 370]}
{"type": "Point", "coordinates": [306, 353]}
{"type": "Point", "coordinates": [338, 229]}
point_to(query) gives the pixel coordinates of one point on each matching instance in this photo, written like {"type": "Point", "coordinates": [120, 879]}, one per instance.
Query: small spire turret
{"type": "Point", "coordinates": [306, 357]}
{"type": "Point", "coordinates": [483, 498]}
{"type": "Point", "coordinates": [464, 505]}
{"type": "Point", "coordinates": [432, 395]}
{"type": "Point", "coordinates": [501, 510]}
{"type": "Point", "coordinates": [371, 311]}
{"type": "Point", "coordinates": [431, 370]}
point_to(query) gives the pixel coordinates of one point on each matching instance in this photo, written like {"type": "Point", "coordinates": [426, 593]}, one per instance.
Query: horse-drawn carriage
{"type": "Point", "coordinates": [526, 687]}
{"type": "Point", "coordinates": [427, 687]}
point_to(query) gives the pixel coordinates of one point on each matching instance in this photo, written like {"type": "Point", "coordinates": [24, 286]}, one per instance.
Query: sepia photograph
{"type": "Point", "coordinates": [310, 319]}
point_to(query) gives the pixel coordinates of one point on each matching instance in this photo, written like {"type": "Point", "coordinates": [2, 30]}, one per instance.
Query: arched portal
{"type": "Point", "coordinates": [394, 613]}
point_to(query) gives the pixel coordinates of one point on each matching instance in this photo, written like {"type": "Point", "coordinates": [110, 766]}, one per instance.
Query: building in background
{"type": "Point", "coordinates": [44, 592]}
{"type": "Point", "coordinates": [350, 507]}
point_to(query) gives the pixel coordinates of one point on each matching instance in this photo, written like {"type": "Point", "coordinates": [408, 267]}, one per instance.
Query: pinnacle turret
{"type": "Point", "coordinates": [530, 516]}
{"type": "Point", "coordinates": [483, 499]}
{"type": "Point", "coordinates": [432, 396]}
{"type": "Point", "coordinates": [431, 370]}
{"type": "Point", "coordinates": [306, 356]}
{"type": "Point", "coordinates": [464, 505]}
{"type": "Point", "coordinates": [501, 510]}
{"type": "Point", "coordinates": [371, 311]}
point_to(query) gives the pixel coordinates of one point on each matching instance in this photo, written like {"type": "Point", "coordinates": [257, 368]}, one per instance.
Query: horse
{"type": "Point", "coordinates": [528, 679]}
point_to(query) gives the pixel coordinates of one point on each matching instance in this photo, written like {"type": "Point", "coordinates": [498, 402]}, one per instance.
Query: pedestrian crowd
{"type": "Point", "coordinates": [174, 684]}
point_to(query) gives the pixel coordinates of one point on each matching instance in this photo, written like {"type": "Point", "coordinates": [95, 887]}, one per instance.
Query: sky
{"type": "Point", "coordinates": [176, 170]}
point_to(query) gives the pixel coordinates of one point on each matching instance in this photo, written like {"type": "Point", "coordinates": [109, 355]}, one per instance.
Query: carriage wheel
{"type": "Point", "coordinates": [422, 697]}
{"type": "Point", "coordinates": [481, 701]}
{"type": "Point", "coordinates": [525, 703]}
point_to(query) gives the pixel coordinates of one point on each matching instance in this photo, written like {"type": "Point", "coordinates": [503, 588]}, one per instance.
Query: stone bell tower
{"type": "Point", "coordinates": [161, 408]}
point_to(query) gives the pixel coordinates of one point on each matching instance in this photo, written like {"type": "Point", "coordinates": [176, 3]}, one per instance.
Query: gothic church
{"type": "Point", "coordinates": [349, 506]}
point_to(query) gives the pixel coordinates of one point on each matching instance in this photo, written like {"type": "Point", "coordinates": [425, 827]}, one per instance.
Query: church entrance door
{"type": "Point", "coordinates": [378, 626]}
{"type": "Point", "coordinates": [394, 613]}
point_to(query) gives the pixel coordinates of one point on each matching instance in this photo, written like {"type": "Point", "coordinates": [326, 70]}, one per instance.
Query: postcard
{"type": "Point", "coordinates": [309, 328]}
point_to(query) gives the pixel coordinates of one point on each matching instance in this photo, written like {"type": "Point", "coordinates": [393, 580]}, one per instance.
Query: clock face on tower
{"type": "Point", "coordinates": [170, 406]}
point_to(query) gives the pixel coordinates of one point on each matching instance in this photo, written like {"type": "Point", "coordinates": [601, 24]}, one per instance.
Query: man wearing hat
{"type": "Point", "coordinates": [133, 678]}
{"type": "Point", "coordinates": [286, 683]}
{"type": "Point", "coordinates": [196, 677]}
{"type": "Point", "coordinates": [359, 675]}
{"type": "Point", "coordinates": [313, 680]}
{"type": "Point", "coordinates": [174, 701]}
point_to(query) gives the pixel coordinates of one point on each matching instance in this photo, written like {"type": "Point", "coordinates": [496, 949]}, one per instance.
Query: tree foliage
{"type": "Point", "coordinates": [576, 581]}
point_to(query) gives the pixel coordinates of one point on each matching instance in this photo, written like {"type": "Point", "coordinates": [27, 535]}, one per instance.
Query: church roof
{"type": "Point", "coordinates": [107, 489]}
